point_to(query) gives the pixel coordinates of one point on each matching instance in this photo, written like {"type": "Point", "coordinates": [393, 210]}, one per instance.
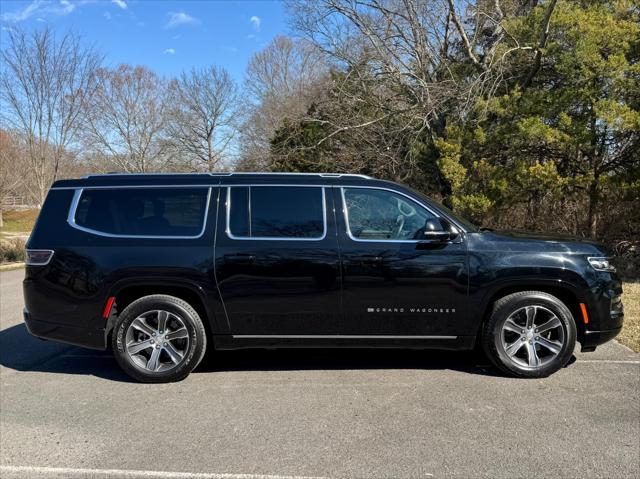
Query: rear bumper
{"type": "Point", "coordinates": [84, 337]}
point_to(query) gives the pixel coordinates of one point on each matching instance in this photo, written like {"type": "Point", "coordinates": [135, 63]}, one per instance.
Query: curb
{"type": "Point", "coordinates": [11, 266]}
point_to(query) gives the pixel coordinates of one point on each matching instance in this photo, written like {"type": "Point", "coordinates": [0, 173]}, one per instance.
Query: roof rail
{"type": "Point", "coordinates": [237, 173]}
{"type": "Point", "coordinates": [118, 173]}
{"type": "Point", "coordinates": [329, 175]}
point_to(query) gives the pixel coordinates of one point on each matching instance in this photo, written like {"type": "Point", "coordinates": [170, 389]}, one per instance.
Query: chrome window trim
{"type": "Point", "coordinates": [71, 218]}
{"type": "Point", "coordinates": [230, 235]}
{"type": "Point", "coordinates": [345, 212]}
{"type": "Point", "coordinates": [227, 186]}
{"type": "Point", "coordinates": [334, 336]}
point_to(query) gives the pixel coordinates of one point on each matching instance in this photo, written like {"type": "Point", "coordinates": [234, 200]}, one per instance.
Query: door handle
{"type": "Point", "coordinates": [240, 258]}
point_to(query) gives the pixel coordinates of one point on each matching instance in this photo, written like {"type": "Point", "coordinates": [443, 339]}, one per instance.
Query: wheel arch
{"type": "Point", "coordinates": [564, 291]}
{"type": "Point", "coordinates": [127, 291]}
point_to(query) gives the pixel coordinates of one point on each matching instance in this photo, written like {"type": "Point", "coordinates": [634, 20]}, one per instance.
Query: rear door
{"type": "Point", "coordinates": [277, 261]}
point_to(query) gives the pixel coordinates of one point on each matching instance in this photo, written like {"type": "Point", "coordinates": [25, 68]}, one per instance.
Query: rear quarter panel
{"type": "Point", "coordinates": [87, 268]}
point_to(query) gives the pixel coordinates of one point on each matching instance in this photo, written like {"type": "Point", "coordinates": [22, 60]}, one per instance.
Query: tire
{"type": "Point", "coordinates": [530, 334]}
{"type": "Point", "coordinates": [159, 339]}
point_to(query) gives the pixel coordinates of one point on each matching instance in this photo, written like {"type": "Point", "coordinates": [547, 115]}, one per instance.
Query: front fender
{"type": "Point", "coordinates": [493, 275]}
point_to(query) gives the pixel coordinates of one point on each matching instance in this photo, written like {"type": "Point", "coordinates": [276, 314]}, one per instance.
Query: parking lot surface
{"type": "Point", "coordinates": [69, 412]}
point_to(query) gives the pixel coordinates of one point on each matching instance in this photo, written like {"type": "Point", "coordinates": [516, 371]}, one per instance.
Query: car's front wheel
{"type": "Point", "coordinates": [158, 339]}
{"type": "Point", "coordinates": [529, 334]}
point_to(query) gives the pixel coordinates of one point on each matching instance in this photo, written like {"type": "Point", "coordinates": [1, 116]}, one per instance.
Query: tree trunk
{"type": "Point", "coordinates": [594, 200]}
{"type": "Point", "coordinates": [1, 219]}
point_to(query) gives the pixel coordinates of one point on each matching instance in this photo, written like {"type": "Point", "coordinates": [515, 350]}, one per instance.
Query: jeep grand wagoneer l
{"type": "Point", "coordinates": [160, 267]}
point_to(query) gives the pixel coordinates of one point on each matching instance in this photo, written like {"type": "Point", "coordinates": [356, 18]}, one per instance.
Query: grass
{"type": "Point", "coordinates": [11, 250]}
{"type": "Point", "coordinates": [630, 334]}
{"type": "Point", "coordinates": [19, 221]}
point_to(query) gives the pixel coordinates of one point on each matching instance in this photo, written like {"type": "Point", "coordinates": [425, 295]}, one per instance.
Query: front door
{"type": "Point", "coordinates": [277, 260]}
{"type": "Point", "coordinates": [394, 282]}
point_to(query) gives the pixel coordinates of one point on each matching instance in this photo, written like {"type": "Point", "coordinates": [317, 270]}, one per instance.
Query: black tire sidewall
{"type": "Point", "coordinates": [504, 309]}
{"type": "Point", "coordinates": [197, 338]}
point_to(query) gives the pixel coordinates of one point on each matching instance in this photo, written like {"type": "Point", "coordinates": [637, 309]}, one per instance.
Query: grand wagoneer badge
{"type": "Point", "coordinates": [412, 310]}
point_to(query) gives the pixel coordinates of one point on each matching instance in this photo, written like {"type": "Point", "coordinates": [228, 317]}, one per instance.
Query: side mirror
{"type": "Point", "coordinates": [437, 235]}
{"type": "Point", "coordinates": [437, 232]}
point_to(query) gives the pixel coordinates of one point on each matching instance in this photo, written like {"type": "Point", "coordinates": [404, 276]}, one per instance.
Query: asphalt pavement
{"type": "Point", "coordinates": [66, 412]}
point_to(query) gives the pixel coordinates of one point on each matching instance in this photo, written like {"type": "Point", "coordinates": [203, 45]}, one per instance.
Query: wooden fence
{"type": "Point", "coordinates": [15, 202]}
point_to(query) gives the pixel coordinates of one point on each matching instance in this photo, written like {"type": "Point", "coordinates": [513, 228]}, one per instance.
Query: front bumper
{"type": "Point", "coordinates": [611, 325]}
{"type": "Point", "coordinates": [592, 339]}
{"type": "Point", "coordinates": [84, 337]}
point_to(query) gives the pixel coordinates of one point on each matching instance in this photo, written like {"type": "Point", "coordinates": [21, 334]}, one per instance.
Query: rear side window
{"type": "Point", "coordinates": [276, 212]}
{"type": "Point", "coordinates": [172, 212]}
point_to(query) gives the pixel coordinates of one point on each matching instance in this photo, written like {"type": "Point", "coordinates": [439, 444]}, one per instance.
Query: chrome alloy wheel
{"type": "Point", "coordinates": [157, 341]}
{"type": "Point", "coordinates": [532, 336]}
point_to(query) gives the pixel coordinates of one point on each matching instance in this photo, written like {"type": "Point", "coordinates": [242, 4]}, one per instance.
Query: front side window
{"type": "Point", "coordinates": [295, 212]}
{"type": "Point", "coordinates": [374, 214]}
{"type": "Point", "coordinates": [173, 212]}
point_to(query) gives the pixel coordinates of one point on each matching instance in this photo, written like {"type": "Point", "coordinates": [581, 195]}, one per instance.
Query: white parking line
{"type": "Point", "coordinates": [69, 472]}
{"type": "Point", "coordinates": [608, 361]}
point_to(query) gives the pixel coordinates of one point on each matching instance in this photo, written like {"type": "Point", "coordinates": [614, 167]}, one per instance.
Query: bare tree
{"type": "Point", "coordinates": [402, 71]}
{"type": "Point", "coordinates": [281, 81]}
{"type": "Point", "coordinates": [202, 116]}
{"type": "Point", "coordinates": [125, 119]}
{"type": "Point", "coordinates": [430, 58]}
{"type": "Point", "coordinates": [11, 165]}
{"type": "Point", "coordinates": [43, 84]}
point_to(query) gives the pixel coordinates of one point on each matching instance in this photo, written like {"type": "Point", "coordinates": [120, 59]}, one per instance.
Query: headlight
{"type": "Point", "coordinates": [601, 264]}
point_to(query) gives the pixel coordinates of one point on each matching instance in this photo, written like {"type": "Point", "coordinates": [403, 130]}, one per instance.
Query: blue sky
{"type": "Point", "coordinates": [167, 36]}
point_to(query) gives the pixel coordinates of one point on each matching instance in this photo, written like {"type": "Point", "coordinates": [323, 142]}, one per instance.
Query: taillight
{"type": "Point", "coordinates": [38, 257]}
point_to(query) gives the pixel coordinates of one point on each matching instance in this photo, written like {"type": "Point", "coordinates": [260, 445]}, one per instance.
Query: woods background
{"type": "Point", "coordinates": [519, 114]}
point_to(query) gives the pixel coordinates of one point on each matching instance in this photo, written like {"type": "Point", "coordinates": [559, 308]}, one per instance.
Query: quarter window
{"type": "Point", "coordinates": [374, 214]}
{"type": "Point", "coordinates": [276, 212]}
{"type": "Point", "coordinates": [173, 212]}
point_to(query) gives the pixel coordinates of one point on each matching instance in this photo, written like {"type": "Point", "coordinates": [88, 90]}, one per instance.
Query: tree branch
{"type": "Point", "coordinates": [544, 35]}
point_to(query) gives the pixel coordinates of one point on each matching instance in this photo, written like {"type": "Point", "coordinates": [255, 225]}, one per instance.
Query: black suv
{"type": "Point", "coordinates": [157, 267]}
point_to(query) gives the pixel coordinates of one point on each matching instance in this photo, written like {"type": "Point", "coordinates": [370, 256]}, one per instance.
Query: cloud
{"type": "Point", "coordinates": [67, 7]}
{"type": "Point", "coordinates": [180, 18]}
{"type": "Point", "coordinates": [41, 9]}
{"type": "Point", "coordinates": [107, 15]}
{"type": "Point", "coordinates": [169, 51]}
{"type": "Point", "coordinates": [121, 3]}
{"type": "Point", "coordinates": [255, 22]}
{"type": "Point", "coordinates": [23, 14]}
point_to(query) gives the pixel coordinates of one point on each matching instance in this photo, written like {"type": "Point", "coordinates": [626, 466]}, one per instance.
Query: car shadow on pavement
{"type": "Point", "coordinates": [345, 359]}
{"type": "Point", "coordinates": [22, 352]}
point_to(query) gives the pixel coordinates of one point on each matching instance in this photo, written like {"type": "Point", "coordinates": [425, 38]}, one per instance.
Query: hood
{"type": "Point", "coordinates": [528, 241]}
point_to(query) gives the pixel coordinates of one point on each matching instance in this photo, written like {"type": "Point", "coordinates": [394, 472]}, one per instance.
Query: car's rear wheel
{"type": "Point", "coordinates": [159, 338]}
{"type": "Point", "coordinates": [529, 334]}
